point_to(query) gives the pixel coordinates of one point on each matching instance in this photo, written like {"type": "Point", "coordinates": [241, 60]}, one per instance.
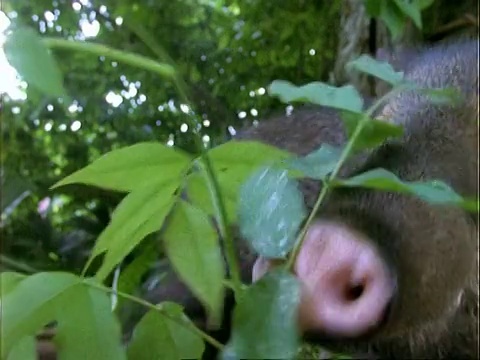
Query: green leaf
{"type": "Point", "coordinates": [232, 163]}
{"type": "Point", "coordinates": [446, 96]}
{"type": "Point", "coordinates": [344, 98]}
{"type": "Point", "coordinates": [191, 244]}
{"type": "Point", "coordinates": [131, 276]}
{"type": "Point", "coordinates": [223, 42]}
{"type": "Point", "coordinates": [424, 4]}
{"type": "Point", "coordinates": [250, 154]}
{"type": "Point", "coordinates": [434, 191]}
{"type": "Point", "coordinates": [140, 213]}
{"type": "Point", "coordinates": [25, 349]}
{"type": "Point", "coordinates": [374, 133]}
{"type": "Point", "coordinates": [319, 163]}
{"type": "Point", "coordinates": [87, 328]}
{"type": "Point", "coordinates": [412, 10]}
{"type": "Point", "coordinates": [265, 319]}
{"type": "Point", "coordinates": [373, 7]}
{"type": "Point", "coordinates": [271, 210]}
{"type": "Point", "coordinates": [8, 281]}
{"type": "Point", "coordinates": [15, 189]}
{"type": "Point", "coordinates": [32, 304]}
{"type": "Point", "coordinates": [26, 52]}
{"type": "Point", "coordinates": [199, 195]}
{"type": "Point", "coordinates": [379, 69]}
{"type": "Point", "coordinates": [159, 336]}
{"type": "Point", "coordinates": [231, 180]}
{"type": "Point", "coordinates": [132, 167]}
{"type": "Point", "coordinates": [393, 18]}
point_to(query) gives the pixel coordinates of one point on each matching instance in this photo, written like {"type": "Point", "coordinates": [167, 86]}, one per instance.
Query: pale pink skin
{"type": "Point", "coordinates": [332, 260]}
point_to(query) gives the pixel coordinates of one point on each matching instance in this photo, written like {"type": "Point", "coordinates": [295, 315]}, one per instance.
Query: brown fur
{"type": "Point", "coordinates": [433, 249]}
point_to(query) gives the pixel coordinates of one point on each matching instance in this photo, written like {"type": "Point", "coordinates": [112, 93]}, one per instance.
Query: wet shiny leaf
{"type": "Point", "coordinates": [25, 349]}
{"type": "Point", "coordinates": [158, 336]}
{"type": "Point", "coordinates": [132, 167]}
{"type": "Point", "coordinates": [271, 210]}
{"type": "Point", "coordinates": [379, 69]}
{"type": "Point", "coordinates": [140, 213]}
{"type": "Point", "coordinates": [343, 98]}
{"type": "Point", "coordinates": [374, 133]}
{"type": "Point", "coordinates": [318, 164]}
{"type": "Point", "coordinates": [26, 52]}
{"type": "Point", "coordinates": [200, 196]}
{"type": "Point", "coordinates": [192, 246]}
{"type": "Point", "coordinates": [433, 191]}
{"type": "Point", "coordinates": [265, 319]}
{"type": "Point", "coordinates": [87, 328]}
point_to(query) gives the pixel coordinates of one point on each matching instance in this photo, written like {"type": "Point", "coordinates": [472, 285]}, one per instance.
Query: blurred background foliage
{"type": "Point", "coordinates": [227, 51]}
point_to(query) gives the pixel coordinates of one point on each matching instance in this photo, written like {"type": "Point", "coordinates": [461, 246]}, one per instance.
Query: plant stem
{"type": "Point", "coordinates": [140, 61]}
{"type": "Point", "coordinates": [187, 325]}
{"type": "Point", "coordinates": [212, 182]}
{"type": "Point", "coordinates": [168, 71]}
{"type": "Point", "coordinates": [327, 183]}
{"type": "Point", "coordinates": [14, 264]}
{"type": "Point", "coordinates": [225, 231]}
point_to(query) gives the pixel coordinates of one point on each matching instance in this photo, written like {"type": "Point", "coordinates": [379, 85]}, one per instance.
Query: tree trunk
{"type": "Point", "coordinates": [360, 34]}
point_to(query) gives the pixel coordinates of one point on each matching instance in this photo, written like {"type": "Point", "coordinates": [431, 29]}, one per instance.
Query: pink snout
{"type": "Point", "coordinates": [347, 287]}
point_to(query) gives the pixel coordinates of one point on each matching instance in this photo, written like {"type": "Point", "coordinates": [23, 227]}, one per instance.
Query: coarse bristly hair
{"type": "Point", "coordinates": [449, 135]}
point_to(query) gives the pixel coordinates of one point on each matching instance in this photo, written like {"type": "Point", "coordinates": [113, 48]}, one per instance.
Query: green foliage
{"type": "Point", "coordinates": [24, 350]}
{"type": "Point", "coordinates": [446, 96]}
{"type": "Point", "coordinates": [247, 153]}
{"type": "Point", "coordinates": [343, 98]}
{"type": "Point", "coordinates": [312, 351]}
{"type": "Point", "coordinates": [251, 180]}
{"type": "Point", "coordinates": [433, 192]}
{"type": "Point", "coordinates": [319, 163]}
{"type": "Point", "coordinates": [232, 162]}
{"type": "Point", "coordinates": [40, 145]}
{"type": "Point", "coordinates": [86, 326]}
{"type": "Point", "coordinates": [395, 13]}
{"type": "Point", "coordinates": [132, 167]}
{"type": "Point", "coordinates": [14, 190]}
{"type": "Point", "coordinates": [10, 280]}
{"type": "Point", "coordinates": [161, 69]}
{"type": "Point", "coordinates": [199, 195]}
{"type": "Point", "coordinates": [132, 274]}
{"type": "Point", "coordinates": [140, 213]}
{"type": "Point", "coordinates": [88, 329]}
{"type": "Point", "coordinates": [165, 335]}
{"type": "Point", "coordinates": [271, 211]}
{"type": "Point", "coordinates": [265, 320]}
{"type": "Point", "coordinates": [412, 9]}
{"type": "Point", "coordinates": [26, 52]}
{"type": "Point", "coordinates": [192, 246]}
{"type": "Point", "coordinates": [374, 133]}
{"type": "Point", "coordinates": [381, 70]}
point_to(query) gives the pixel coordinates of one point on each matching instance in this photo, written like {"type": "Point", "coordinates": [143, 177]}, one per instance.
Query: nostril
{"type": "Point", "coordinates": [350, 285]}
{"type": "Point", "coordinates": [354, 292]}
